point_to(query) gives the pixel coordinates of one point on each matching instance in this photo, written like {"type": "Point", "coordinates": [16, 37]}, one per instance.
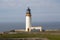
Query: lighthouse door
{"type": "Point", "coordinates": [28, 29]}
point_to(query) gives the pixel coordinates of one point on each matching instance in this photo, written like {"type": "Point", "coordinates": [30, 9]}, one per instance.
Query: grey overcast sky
{"type": "Point", "coordinates": [41, 10]}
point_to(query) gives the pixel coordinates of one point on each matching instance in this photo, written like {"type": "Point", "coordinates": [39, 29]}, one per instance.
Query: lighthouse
{"type": "Point", "coordinates": [29, 27]}
{"type": "Point", "coordinates": [28, 20]}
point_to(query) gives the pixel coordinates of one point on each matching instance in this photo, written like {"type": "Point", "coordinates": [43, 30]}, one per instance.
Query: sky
{"type": "Point", "coordinates": [41, 10]}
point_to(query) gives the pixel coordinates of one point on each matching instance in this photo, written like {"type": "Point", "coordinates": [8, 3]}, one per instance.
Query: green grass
{"type": "Point", "coordinates": [31, 35]}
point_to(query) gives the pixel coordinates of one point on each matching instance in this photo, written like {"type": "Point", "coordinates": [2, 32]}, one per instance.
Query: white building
{"type": "Point", "coordinates": [28, 22]}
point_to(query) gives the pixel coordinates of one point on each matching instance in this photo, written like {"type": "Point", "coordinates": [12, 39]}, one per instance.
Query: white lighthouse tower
{"type": "Point", "coordinates": [28, 20]}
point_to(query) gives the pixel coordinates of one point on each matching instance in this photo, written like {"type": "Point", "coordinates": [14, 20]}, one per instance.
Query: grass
{"type": "Point", "coordinates": [32, 35]}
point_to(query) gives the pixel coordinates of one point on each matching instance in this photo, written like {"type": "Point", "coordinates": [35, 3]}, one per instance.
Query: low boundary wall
{"type": "Point", "coordinates": [24, 39]}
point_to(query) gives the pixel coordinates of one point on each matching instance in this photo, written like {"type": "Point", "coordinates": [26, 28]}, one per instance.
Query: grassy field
{"type": "Point", "coordinates": [49, 35]}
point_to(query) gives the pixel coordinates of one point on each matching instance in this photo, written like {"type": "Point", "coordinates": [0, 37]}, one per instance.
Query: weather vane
{"type": "Point", "coordinates": [28, 3]}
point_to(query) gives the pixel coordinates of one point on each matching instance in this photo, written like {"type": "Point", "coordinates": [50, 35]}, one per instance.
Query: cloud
{"type": "Point", "coordinates": [34, 3]}
{"type": "Point", "coordinates": [41, 8]}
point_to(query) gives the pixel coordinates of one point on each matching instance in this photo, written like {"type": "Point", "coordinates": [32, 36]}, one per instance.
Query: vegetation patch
{"type": "Point", "coordinates": [49, 36]}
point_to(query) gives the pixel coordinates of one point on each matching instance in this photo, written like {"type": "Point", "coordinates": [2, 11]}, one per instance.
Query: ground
{"type": "Point", "coordinates": [53, 35]}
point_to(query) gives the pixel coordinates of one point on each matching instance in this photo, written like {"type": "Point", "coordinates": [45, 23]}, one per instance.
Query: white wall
{"type": "Point", "coordinates": [37, 28]}
{"type": "Point", "coordinates": [28, 22]}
